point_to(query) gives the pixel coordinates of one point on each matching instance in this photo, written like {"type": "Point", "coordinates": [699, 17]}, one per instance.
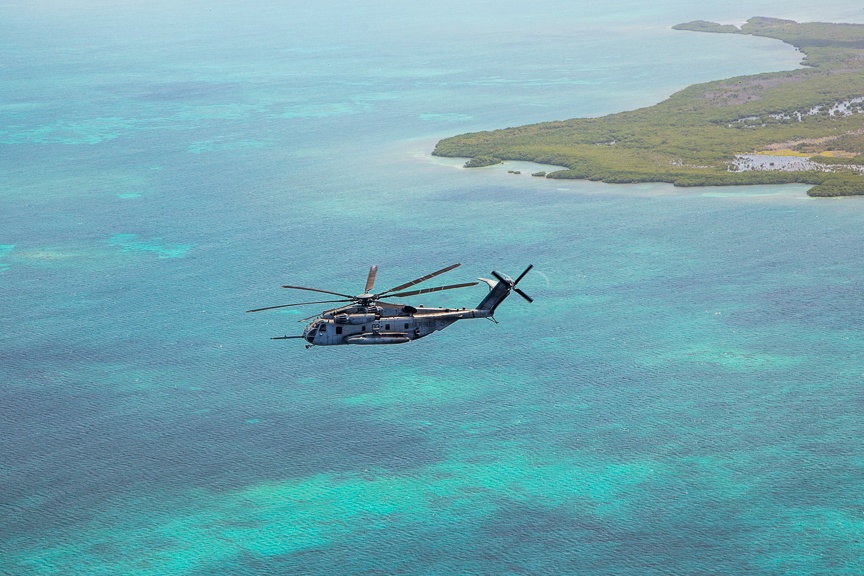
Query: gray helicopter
{"type": "Point", "coordinates": [368, 320]}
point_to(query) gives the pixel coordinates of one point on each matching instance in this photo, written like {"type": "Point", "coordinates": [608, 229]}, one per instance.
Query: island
{"type": "Point", "coordinates": [802, 126]}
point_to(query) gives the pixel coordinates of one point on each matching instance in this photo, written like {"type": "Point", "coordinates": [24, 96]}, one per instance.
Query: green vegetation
{"type": "Point", "coordinates": [705, 26]}
{"type": "Point", "coordinates": [481, 161]}
{"type": "Point", "coordinates": [695, 137]}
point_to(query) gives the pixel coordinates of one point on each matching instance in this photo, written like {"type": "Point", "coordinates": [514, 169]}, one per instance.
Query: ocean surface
{"type": "Point", "coordinates": [684, 396]}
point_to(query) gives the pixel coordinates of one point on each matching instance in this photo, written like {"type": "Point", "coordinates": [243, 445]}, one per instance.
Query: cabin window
{"type": "Point", "coordinates": [386, 326]}
{"type": "Point", "coordinates": [406, 326]}
{"type": "Point", "coordinates": [338, 329]}
{"type": "Point", "coordinates": [363, 328]}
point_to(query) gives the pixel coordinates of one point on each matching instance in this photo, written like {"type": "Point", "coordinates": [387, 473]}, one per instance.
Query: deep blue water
{"type": "Point", "coordinates": [684, 396]}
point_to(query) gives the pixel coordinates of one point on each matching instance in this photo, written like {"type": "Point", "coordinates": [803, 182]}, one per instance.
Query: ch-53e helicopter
{"type": "Point", "coordinates": [368, 320]}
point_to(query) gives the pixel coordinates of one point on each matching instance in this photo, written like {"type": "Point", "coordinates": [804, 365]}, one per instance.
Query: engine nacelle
{"type": "Point", "coordinates": [354, 318]}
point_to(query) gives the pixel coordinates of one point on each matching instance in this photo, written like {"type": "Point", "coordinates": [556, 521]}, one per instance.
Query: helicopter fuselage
{"type": "Point", "coordinates": [369, 320]}
{"type": "Point", "coordinates": [383, 324]}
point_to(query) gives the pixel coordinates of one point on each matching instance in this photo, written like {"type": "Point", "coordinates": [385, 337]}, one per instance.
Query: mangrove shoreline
{"type": "Point", "coordinates": [810, 120]}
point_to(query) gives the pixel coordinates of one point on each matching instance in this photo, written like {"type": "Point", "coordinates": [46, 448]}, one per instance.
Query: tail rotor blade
{"type": "Point", "coordinates": [499, 277]}
{"type": "Point", "coordinates": [528, 269]}
{"type": "Point", "coordinates": [370, 280]}
{"type": "Point", "coordinates": [523, 295]}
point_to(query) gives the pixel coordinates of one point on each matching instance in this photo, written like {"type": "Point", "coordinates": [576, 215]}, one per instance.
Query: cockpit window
{"type": "Point", "coordinates": [322, 327]}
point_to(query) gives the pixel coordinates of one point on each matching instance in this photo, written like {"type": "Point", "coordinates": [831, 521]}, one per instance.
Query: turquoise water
{"type": "Point", "coordinates": [683, 396]}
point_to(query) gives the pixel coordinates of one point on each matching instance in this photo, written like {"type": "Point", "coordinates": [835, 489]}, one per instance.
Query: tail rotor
{"type": "Point", "coordinates": [512, 283]}
{"type": "Point", "coordinates": [517, 290]}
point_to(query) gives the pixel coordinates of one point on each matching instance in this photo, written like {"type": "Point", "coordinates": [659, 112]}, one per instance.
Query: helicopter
{"type": "Point", "coordinates": [366, 319]}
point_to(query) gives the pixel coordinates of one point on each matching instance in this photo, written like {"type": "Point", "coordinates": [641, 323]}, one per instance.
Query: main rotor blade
{"type": "Point", "coordinates": [298, 304]}
{"type": "Point", "coordinates": [370, 280]}
{"type": "Point", "coordinates": [285, 337]}
{"type": "Point", "coordinates": [418, 280]}
{"type": "Point", "coordinates": [317, 290]}
{"type": "Point", "coordinates": [436, 289]}
{"type": "Point", "coordinates": [522, 275]}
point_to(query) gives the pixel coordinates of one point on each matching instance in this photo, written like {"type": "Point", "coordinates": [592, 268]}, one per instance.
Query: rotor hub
{"type": "Point", "coordinates": [365, 299]}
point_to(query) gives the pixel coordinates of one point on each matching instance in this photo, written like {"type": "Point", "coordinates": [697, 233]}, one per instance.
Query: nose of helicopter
{"type": "Point", "coordinates": [309, 332]}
